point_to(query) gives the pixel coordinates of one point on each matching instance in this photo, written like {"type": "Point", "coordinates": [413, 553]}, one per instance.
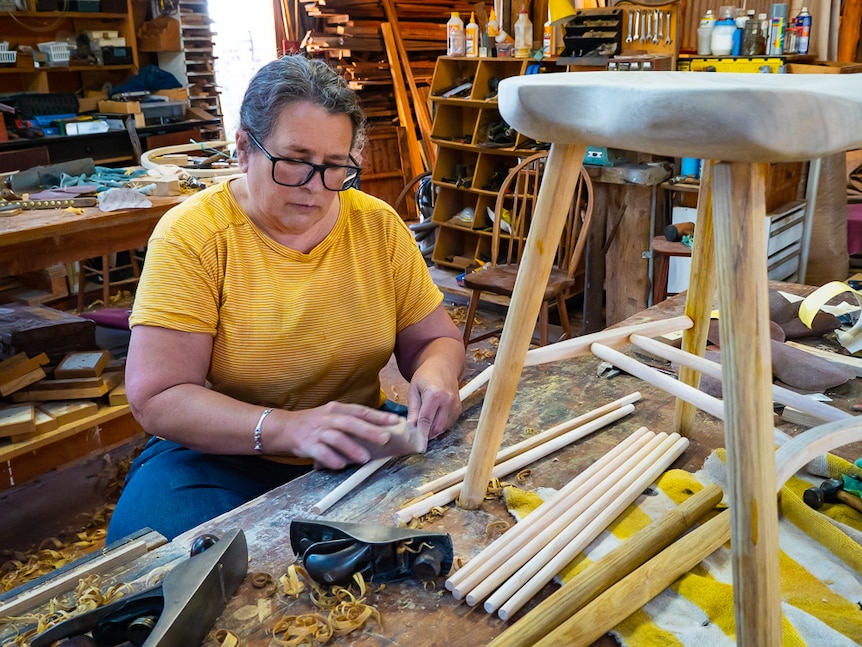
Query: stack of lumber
{"type": "Point", "coordinates": [38, 398]}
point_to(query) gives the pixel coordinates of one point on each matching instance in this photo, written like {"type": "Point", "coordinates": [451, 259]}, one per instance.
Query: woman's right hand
{"type": "Point", "coordinates": [328, 434]}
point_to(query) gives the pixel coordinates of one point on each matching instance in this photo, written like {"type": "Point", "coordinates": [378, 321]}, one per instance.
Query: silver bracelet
{"type": "Point", "coordinates": [258, 441]}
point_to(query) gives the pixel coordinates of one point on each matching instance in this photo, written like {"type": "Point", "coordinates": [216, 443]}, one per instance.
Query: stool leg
{"type": "Point", "coordinates": [740, 245]}
{"type": "Point", "coordinates": [106, 281]}
{"type": "Point", "coordinates": [562, 173]}
{"type": "Point", "coordinates": [699, 300]}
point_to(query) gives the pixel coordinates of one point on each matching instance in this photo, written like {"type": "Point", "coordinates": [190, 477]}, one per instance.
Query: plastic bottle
{"type": "Point", "coordinates": [455, 45]}
{"type": "Point", "coordinates": [721, 41]}
{"type": "Point", "coordinates": [549, 47]}
{"type": "Point", "coordinates": [704, 33]}
{"type": "Point", "coordinates": [523, 35]}
{"type": "Point", "coordinates": [471, 37]}
{"type": "Point", "coordinates": [493, 26]}
{"type": "Point", "coordinates": [803, 24]}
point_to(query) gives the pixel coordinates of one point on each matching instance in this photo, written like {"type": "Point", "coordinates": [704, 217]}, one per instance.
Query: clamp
{"type": "Point", "coordinates": [178, 612]}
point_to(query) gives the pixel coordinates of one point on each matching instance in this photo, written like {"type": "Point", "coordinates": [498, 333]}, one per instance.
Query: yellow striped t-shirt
{"type": "Point", "coordinates": [290, 330]}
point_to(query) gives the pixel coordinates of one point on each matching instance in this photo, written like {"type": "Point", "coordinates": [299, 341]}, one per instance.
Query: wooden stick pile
{"type": "Point", "coordinates": [516, 566]}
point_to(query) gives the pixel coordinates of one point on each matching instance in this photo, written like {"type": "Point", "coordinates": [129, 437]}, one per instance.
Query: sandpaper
{"type": "Point", "coordinates": [404, 439]}
{"type": "Point", "coordinates": [786, 314]}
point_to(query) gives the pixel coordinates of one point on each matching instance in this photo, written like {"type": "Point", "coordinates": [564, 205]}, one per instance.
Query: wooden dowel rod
{"type": "Point", "coordinates": [639, 587]}
{"type": "Point", "coordinates": [608, 569]}
{"type": "Point", "coordinates": [533, 441]}
{"type": "Point", "coordinates": [561, 174]}
{"type": "Point", "coordinates": [514, 464]}
{"type": "Point", "coordinates": [500, 548]}
{"type": "Point", "coordinates": [563, 552]}
{"type": "Point", "coordinates": [342, 490]}
{"type": "Point", "coordinates": [701, 400]}
{"type": "Point", "coordinates": [579, 508]}
{"type": "Point", "coordinates": [579, 346]}
{"type": "Point", "coordinates": [497, 565]}
{"type": "Point", "coordinates": [826, 412]}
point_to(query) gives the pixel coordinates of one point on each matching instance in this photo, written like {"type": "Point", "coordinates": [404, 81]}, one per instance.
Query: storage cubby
{"type": "Point", "coordinates": [485, 159]}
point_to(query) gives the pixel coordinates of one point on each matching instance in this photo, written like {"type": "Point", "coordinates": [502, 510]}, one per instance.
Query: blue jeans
{"type": "Point", "coordinates": [171, 488]}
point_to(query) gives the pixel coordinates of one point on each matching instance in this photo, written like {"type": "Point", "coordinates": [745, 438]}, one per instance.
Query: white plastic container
{"type": "Point", "coordinates": [704, 34]}
{"type": "Point", "coordinates": [721, 40]}
{"type": "Point", "coordinates": [455, 40]}
{"type": "Point", "coordinates": [471, 37]}
{"type": "Point", "coordinates": [523, 35]}
{"type": "Point", "coordinates": [493, 26]}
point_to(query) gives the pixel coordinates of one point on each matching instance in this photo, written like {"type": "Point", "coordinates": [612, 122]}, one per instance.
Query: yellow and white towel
{"type": "Point", "coordinates": [821, 568]}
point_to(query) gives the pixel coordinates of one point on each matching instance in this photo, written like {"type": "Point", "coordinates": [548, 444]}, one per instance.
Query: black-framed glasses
{"type": "Point", "coordinates": [293, 172]}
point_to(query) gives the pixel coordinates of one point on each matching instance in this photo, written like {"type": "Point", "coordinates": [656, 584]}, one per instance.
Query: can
{"type": "Point", "coordinates": [803, 25]}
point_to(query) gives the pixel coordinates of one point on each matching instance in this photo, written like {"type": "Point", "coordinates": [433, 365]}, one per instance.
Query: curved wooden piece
{"type": "Point", "coordinates": [149, 159]}
{"type": "Point", "coordinates": [667, 113]}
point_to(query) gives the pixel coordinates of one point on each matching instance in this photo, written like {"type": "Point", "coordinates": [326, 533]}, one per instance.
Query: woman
{"type": "Point", "coordinates": [266, 309]}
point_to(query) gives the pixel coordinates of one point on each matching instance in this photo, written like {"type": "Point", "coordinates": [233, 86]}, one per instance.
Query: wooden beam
{"type": "Point", "coordinates": [423, 118]}
{"type": "Point", "coordinates": [404, 115]}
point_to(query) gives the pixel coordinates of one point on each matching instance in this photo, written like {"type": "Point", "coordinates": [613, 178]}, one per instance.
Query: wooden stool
{"type": "Point", "coordinates": [746, 120]}
{"type": "Point", "coordinates": [108, 265]}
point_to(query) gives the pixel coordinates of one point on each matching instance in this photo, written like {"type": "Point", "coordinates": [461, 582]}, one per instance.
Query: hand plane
{"type": "Point", "coordinates": [178, 612]}
{"type": "Point", "coordinates": [332, 551]}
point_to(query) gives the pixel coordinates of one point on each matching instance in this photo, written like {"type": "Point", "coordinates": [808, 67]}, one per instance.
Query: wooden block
{"type": "Point", "coordinates": [25, 380]}
{"type": "Point", "coordinates": [117, 395]}
{"type": "Point", "coordinates": [116, 364]}
{"type": "Point", "coordinates": [45, 422]}
{"type": "Point", "coordinates": [89, 364]}
{"type": "Point", "coordinates": [69, 383]}
{"type": "Point", "coordinates": [68, 412]}
{"type": "Point", "coordinates": [17, 420]}
{"type": "Point", "coordinates": [108, 382]}
{"type": "Point", "coordinates": [19, 364]}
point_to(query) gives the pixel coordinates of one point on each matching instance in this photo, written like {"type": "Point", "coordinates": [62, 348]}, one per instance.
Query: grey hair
{"type": "Point", "coordinates": [295, 78]}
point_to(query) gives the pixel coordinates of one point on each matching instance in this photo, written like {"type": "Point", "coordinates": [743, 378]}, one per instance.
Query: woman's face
{"type": "Point", "coordinates": [305, 132]}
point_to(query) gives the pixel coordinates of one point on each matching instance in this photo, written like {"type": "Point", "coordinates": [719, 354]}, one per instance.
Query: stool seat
{"type": "Point", "coordinates": [732, 117]}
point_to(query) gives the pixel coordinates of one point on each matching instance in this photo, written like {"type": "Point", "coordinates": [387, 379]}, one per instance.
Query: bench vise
{"type": "Point", "coordinates": [178, 612]}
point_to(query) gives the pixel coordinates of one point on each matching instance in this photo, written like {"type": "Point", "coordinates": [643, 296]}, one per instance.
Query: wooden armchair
{"type": "Point", "coordinates": [517, 196]}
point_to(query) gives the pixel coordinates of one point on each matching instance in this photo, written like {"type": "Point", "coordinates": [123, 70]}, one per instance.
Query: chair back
{"type": "Point", "coordinates": [518, 196]}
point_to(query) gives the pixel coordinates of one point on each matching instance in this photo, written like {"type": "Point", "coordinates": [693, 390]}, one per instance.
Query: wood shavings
{"type": "Point", "coordinates": [261, 580]}
{"type": "Point", "coordinates": [523, 475]}
{"type": "Point", "coordinates": [291, 584]}
{"type": "Point", "coordinates": [246, 612]}
{"type": "Point", "coordinates": [497, 528]}
{"type": "Point", "coordinates": [346, 612]}
{"type": "Point", "coordinates": [457, 562]}
{"type": "Point", "coordinates": [494, 489]}
{"type": "Point", "coordinates": [484, 354]}
{"type": "Point", "coordinates": [226, 638]}
{"type": "Point", "coordinates": [415, 499]}
{"type": "Point", "coordinates": [264, 609]}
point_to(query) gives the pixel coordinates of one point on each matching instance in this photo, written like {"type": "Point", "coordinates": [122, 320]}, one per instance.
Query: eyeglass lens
{"type": "Point", "coordinates": [297, 173]}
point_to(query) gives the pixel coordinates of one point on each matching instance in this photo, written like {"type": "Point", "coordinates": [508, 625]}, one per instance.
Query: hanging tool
{"type": "Point", "coordinates": [179, 612]}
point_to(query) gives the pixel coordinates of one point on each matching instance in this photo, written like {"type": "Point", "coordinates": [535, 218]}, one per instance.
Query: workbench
{"type": "Point", "coordinates": [414, 616]}
{"type": "Point", "coordinates": [38, 238]}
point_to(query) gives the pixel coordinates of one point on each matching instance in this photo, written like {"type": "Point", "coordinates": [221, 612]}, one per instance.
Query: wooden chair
{"type": "Point", "coordinates": [746, 118]}
{"type": "Point", "coordinates": [518, 195]}
{"type": "Point", "coordinates": [88, 268]}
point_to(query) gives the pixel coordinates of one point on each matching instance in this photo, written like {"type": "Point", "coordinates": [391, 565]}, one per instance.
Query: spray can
{"type": "Point", "coordinates": [523, 35]}
{"type": "Point", "coordinates": [704, 33]}
{"type": "Point", "coordinates": [471, 37]}
{"type": "Point", "coordinates": [455, 42]}
{"type": "Point", "coordinates": [803, 30]}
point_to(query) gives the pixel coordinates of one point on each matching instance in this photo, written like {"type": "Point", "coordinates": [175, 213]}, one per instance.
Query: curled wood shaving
{"type": "Point", "coordinates": [497, 527]}
{"type": "Point", "coordinates": [261, 580]}
{"type": "Point", "coordinates": [457, 562]}
{"type": "Point", "coordinates": [226, 638]}
{"type": "Point", "coordinates": [523, 475]}
{"type": "Point", "coordinates": [306, 630]}
{"type": "Point", "coordinates": [246, 612]}
{"type": "Point", "coordinates": [291, 584]}
{"type": "Point", "coordinates": [494, 489]}
{"type": "Point", "coordinates": [407, 547]}
{"type": "Point", "coordinates": [484, 354]}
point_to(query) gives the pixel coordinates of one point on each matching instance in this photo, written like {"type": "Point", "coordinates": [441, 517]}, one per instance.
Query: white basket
{"type": "Point", "coordinates": [57, 51]}
{"type": "Point", "coordinates": [8, 58]}
{"type": "Point", "coordinates": [4, 46]}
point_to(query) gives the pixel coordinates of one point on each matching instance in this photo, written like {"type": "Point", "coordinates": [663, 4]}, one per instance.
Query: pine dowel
{"type": "Point", "coordinates": [579, 346]}
{"type": "Point", "coordinates": [503, 562]}
{"type": "Point", "coordinates": [349, 484]}
{"type": "Point", "coordinates": [562, 552]}
{"type": "Point", "coordinates": [561, 175]}
{"type": "Point", "coordinates": [514, 464]}
{"type": "Point", "coordinates": [826, 412]}
{"type": "Point", "coordinates": [608, 569]}
{"type": "Point", "coordinates": [639, 587]}
{"type": "Point", "coordinates": [533, 441]}
{"type": "Point", "coordinates": [701, 400]}
{"type": "Point", "coordinates": [507, 542]}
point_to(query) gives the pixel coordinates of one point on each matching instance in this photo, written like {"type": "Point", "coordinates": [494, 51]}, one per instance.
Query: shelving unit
{"type": "Point", "coordinates": [470, 164]}
{"type": "Point", "coordinates": [32, 27]}
{"type": "Point", "coordinates": [193, 65]}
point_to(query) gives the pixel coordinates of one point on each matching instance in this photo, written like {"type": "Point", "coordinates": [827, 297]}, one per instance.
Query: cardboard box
{"type": "Point", "coordinates": [174, 94]}
{"type": "Point", "coordinates": [160, 35]}
{"type": "Point", "coordinates": [824, 67]}
{"type": "Point", "coordinates": [88, 104]}
{"type": "Point", "coordinates": [120, 107]}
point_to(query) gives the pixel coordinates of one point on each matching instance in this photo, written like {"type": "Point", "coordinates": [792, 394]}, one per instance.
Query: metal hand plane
{"type": "Point", "coordinates": [178, 612]}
